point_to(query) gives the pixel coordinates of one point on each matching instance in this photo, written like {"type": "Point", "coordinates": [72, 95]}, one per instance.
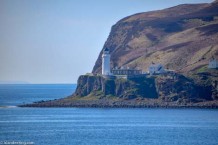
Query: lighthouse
{"type": "Point", "coordinates": [106, 62]}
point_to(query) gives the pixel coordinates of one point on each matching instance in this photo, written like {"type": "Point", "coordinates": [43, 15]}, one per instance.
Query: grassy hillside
{"type": "Point", "coordinates": [183, 38]}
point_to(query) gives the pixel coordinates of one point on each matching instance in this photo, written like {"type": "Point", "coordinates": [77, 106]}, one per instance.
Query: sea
{"type": "Point", "coordinates": [98, 126]}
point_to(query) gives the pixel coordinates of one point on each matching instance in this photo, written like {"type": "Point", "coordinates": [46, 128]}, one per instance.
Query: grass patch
{"type": "Point", "coordinates": [202, 69]}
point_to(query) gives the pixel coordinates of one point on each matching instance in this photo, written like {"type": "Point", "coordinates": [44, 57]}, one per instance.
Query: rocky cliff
{"type": "Point", "coordinates": [166, 87]}
{"type": "Point", "coordinates": [143, 87]}
{"type": "Point", "coordinates": [167, 90]}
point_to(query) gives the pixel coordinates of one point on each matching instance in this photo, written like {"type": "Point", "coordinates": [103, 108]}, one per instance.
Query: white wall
{"type": "Point", "coordinates": [213, 64]}
{"type": "Point", "coordinates": [155, 68]}
{"type": "Point", "coordinates": [106, 64]}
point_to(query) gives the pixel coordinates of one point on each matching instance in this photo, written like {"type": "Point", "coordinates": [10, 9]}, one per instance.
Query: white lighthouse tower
{"type": "Point", "coordinates": [106, 62]}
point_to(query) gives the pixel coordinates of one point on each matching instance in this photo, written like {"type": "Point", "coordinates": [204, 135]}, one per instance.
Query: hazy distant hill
{"type": "Point", "coordinates": [183, 38]}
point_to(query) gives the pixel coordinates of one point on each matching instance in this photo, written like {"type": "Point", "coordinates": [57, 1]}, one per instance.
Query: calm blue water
{"type": "Point", "coordinates": [91, 126]}
{"type": "Point", "coordinates": [27, 93]}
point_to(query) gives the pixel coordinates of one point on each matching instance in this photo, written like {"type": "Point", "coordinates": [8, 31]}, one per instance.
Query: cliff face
{"type": "Point", "coordinates": [182, 38]}
{"type": "Point", "coordinates": [87, 84]}
{"type": "Point", "coordinates": [165, 88]}
{"type": "Point", "coordinates": [122, 88]}
{"type": "Point", "coordinates": [168, 90]}
{"type": "Point", "coordinates": [181, 89]}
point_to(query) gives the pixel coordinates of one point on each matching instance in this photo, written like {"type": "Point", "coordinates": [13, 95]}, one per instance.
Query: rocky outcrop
{"type": "Point", "coordinates": [123, 88]}
{"type": "Point", "coordinates": [181, 89]}
{"type": "Point", "coordinates": [87, 84]}
{"type": "Point", "coordinates": [166, 87]}
{"type": "Point", "coordinates": [168, 90]}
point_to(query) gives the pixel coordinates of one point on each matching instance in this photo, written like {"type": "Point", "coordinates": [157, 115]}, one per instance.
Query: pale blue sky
{"type": "Point", "coordinates": [55, 41]}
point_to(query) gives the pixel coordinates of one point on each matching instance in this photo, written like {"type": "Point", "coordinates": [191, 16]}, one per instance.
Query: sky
{"type": "Point", "coordinates": [55, 41]}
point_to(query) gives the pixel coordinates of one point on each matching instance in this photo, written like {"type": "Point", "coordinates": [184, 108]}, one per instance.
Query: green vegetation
{"type": "Point", "coordinates": [202, 69]}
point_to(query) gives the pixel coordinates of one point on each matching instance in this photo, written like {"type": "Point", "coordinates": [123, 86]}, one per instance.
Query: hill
{"type": "Point", "coordinates": [183, 38]}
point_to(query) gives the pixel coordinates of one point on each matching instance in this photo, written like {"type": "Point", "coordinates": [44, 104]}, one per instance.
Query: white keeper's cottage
{"type": "Point", "coordinates": [156, 69]}
{"type": "Point", "coordinates": [213, 63]}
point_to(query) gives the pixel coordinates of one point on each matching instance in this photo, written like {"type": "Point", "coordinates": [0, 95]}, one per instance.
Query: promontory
{"type": "Point", "coordinates": [164, 58]}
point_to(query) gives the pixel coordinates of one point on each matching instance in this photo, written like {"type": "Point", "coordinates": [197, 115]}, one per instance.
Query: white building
{"type": "Point", "coordinates": [156, 69]}
{"type": "Point", "coordinates": [213, 63]}
{"type": "Point", "coordinates": [106, 62]}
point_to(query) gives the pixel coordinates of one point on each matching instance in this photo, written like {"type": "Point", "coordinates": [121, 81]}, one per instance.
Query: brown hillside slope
{"type": "Point", "coordinates": [183, 38]}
